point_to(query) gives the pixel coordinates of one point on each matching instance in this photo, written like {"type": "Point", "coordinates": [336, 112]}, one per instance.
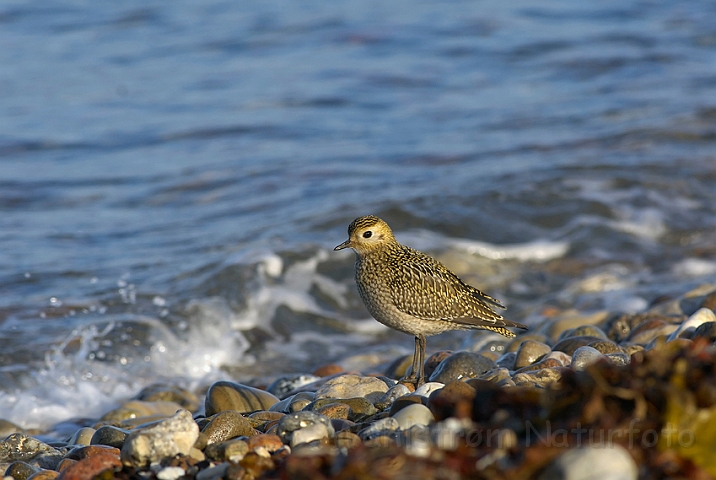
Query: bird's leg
{"type": "Point", "coordinates": [420, 354]}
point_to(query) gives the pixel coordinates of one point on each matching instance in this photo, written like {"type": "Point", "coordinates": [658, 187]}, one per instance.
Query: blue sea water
{"type": "Point", "coordinates": [174, 175]}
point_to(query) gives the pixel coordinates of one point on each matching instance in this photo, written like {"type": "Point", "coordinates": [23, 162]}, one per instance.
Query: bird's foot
{"type": "Point", "coordinates": [412, 379]}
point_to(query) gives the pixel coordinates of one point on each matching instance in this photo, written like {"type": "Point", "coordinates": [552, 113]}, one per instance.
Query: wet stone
{"type": "Point", "coordinates": [141, 409]}
{"type": "Point", "coordinates": [382, 427]}
{"type": "Point", "coordinates": [169, 393]}
{"type": "Point", "coordinates": [348, 386]}
{"type": "Point", "coordinates": [83, 436]}
{"type": "Point", "coordinates": [328, 370]}
{"type": "Point", "coordinates": [646, 331]}
{"type": "Point", "coordinates": [542, 364]}
{"type": "Point", "coordinates": [65, 463]}
{"type": "Point", "coordinates": [270, 443]}
{"type": "Point", "coordinates": [411, 415]}
{"type": "Point", "coordinates": [44, 475]}
{"type": "Point", "coordinates": [570, 344]}
{"type": "Point", "coordinates": [461, 365]}
{"type": "Point", "coordinates": [453, 400]}
{"type": "Point", "coordinates": [573, 319]}
{"type": "Point", "coordinates": [21, 447]}
{"type": "Point", "coordinates": [507, 360]}
{"type": "Point", "coordinates": [101, 459]}
{"type": "Point", "coordinates": [561, 357]}
{"type": "Point", "coordinates": [529, 352]}
{"type": "Point", "coordinates": [434, 360]}
{"type": "Point", "coordinates": [346, 439]}
{"type": "Point", "coordinates": [406, 400]}
{"type": "Point", "coordinates": [225, 395]}
{"type": "Point", "coordinates": [706, 330]}
{"type": "Point", "coordinates": [585, 356]}
{"type": "Point", "coordinates": [86, 451]}
{"type": "Point", "coordinates": [230, 450]}
{"type": "Point", "coordinates": [226, 425]}
{"type": "Point", "coordinates": [391, 395]}
{"type": "Point", "coordinates": [686, 329]}
{"type": "Point", "coordinates": [584, 331]}
{"type": "Point", "coordinates": [359, 407]}
{"type": "Point", "coordinates": [538, 378]}
{"type": "Point", "coordinates": [495, 375]}
{"type": "Point", "coordinates": [618, 358]}
{"type": "Point", "coordinates": [294, 403]}
{"type": "Point", "coordinates": [427, 389]}
{"type": "Point", "coordinates": [606, 346]}
{"type": "Point", "coordinates": [514, 344]}
{"type": "Point", "coordinates": [165, 439]}
{"type": "Point", "coordinates": [283, 386]}
{"type": "Point", "coordinates": [334, 410]}
{"type": "Point", "coordinates": [20, 470]}
{"type": "Point", "coordinates": [292, 423]}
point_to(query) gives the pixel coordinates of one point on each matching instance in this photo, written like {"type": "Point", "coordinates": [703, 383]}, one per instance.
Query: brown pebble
{"type": "Point", "coordinates": [64, 463]}
{"type": "Point", "coordinates": [434, 360]}
{"type": "Point", "coordinates": [91, 466]}
{"type": "Point", "coordinates": [336, 410]}
{"type": "Point", "coordinates": [453, 400]}
{"type": "Point", "coordinates": [380, 442]}
{"type": "Point", "coordinates": [80, 453]}
{"type": "Point", "coordinates": [267, 441]}
{"type": "Point", "coordinates": [546, 363]}
{"type": "Point", "coordinates": [326, 370]}
{"type": "Point", "coordinates": [44, 475]}
{"type": "Point", "coordinates": [345, 439]}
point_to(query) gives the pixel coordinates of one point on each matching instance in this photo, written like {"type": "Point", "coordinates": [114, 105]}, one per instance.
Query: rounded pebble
{"type": "Point", "coordinates": [83, 436]}
{"type": "Point", "coordinates": [225, 426]}
{"type": "Point", "coordinates": [588, 463]}
{"type": "Point", "coordinates": [225, 395]}
{"type": "Point", "coordinates": [381, 427]}
{"type": "Point", "coordinates": [416, 414]}
{"type": "Point", "coordinates": [293, 403]}
{"type": "Point", "coordinates": [585, 356]}
{"type": "Point", "coordinates": [109, 435]}
{"type": "Point", "coordinates": [165, 439]}
{"type": "Point", "coordinates": [293, 422]}
{"type": "Point", "coordinates": [349, 386]}
{"type": "Point", "coordinates": [427, 388]}
{"type": "Point", "coordinates": [529, 352]}
{"type": "Point", "coordinates": [461, 365]}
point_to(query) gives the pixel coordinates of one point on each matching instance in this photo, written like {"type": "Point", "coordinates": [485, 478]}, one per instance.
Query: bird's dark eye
{"type": "Point", "coordinates": [367, 234]}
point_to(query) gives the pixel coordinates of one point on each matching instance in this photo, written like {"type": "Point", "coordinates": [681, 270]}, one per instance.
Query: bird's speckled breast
{"type": "Point", "coordinates": [373, 280]}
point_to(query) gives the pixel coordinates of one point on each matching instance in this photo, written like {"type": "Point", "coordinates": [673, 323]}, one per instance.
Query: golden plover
{"type": "Point", "coordinates": [412, 292]}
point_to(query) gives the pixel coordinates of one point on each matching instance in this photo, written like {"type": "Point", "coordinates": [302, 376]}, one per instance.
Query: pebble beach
{"type": "Point", "coordinates": [597, 395]}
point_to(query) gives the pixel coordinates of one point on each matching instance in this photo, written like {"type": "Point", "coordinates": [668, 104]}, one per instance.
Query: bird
{"type": "Point", "coordinates": [412, 292]}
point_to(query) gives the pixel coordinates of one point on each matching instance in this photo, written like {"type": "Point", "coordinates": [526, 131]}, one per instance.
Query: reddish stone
{"type": "Point", "coordinates": [327, 370]}
{"type": "Point", "coordinates": [86, 451]}
{"type": "Point", "coordinates": [269, 441]}
{"type": "Point", "coordinates": [91, 466]}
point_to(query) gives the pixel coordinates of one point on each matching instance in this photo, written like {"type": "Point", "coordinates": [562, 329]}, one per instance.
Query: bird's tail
{"type": "Point", "coordinates": [501, 327]}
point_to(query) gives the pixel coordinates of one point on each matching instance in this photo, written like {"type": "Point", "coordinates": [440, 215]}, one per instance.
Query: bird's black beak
{"type": "Point", "coordinates": [343, 245]}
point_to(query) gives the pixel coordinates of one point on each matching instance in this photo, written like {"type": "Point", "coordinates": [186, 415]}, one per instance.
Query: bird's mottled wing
{"type": "Point", "coordinates": [428, 290]}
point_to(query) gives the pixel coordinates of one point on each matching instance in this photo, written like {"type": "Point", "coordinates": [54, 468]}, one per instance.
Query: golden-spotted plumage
{"type": "Point", "coordinates": [412, 292]}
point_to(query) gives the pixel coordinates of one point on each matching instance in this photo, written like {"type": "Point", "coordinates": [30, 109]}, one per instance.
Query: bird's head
{"type": "Point", "coordinates": [367, 234]}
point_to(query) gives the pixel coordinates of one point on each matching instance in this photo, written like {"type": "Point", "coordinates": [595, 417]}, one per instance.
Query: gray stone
{"type": "Point", "coordinates": [535, 378]}
{"type": "Point", "coordinates": [294, 403]}
{"type": "Point", "coordinates": [109, 435]}
{"type": "Point", "coordinates": [585, 356]}
{"type": "Point", "coordinates": [348, 386]}
{"type": "Point", "coordinates": [570, 344]}
{"type": "Point", "coordinates": [82, 436]}
{"type": "Point", "coordinates": [384, 426]}
{"type": "Point", "coordinates": [529, 352]}
{"type": "Point", "coordinates": [495, 375]}
{"type": "Point", "coordinates": [618, 358]}
{"type": "Point", "coordinates": [416, 414]}
{"type": "Point", "coordinates": [611, 462]}
{"type": "Point", "coordinates": [427, 388]}
{"type": "Point", "coordinates": [285, 385]}
{"type": "Point", "coordinates": [461, 365]}
{"type": "Point", "coordinates": [293, 422]}
{"type": "Point", "coordinates": [391, 395]}
{"type": "Point", "coordinates": [507, 360]}
{"type": "Point", "coordinates": [705, 330]}
{"type": "Point", "coordinates": [164, 439]}
{"type": "Point", "coordinates": [21, 447]}
{"type": "Point", "coordinates": [701, 316]}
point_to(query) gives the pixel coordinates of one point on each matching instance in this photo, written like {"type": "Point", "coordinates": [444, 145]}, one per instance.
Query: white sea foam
{"type": "Point", "coordinates": [539, 250]}
{"type": "Point", "coordinates": [694, 267]}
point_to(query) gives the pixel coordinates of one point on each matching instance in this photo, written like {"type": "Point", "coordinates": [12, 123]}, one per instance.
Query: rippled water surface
{"type": "Point", "coordinates": [174, 175]}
